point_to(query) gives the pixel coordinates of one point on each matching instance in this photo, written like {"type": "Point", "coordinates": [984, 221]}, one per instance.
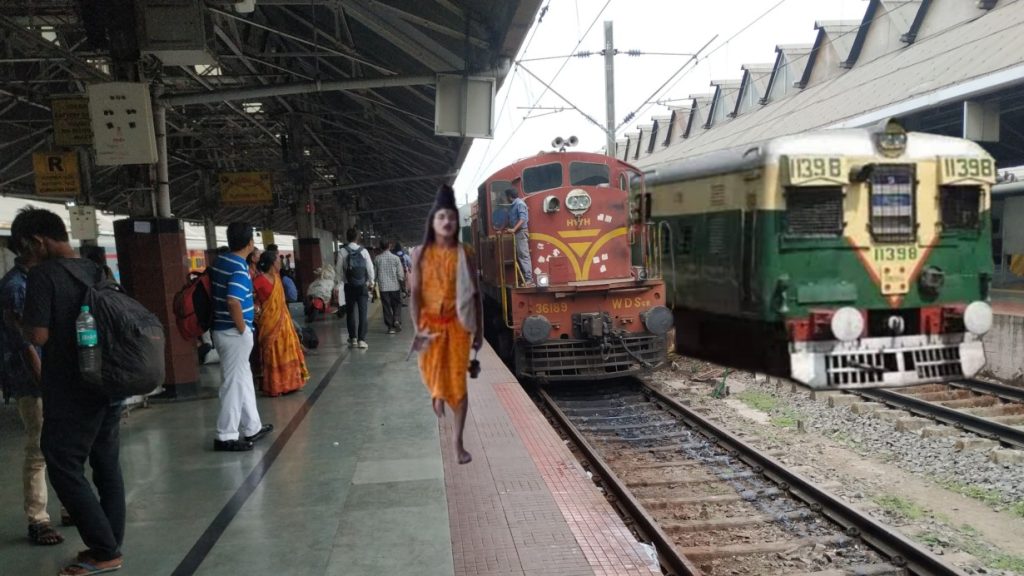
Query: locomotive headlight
{"type": "Point", "coordinates": [543, 280]}
{"type": "Point", "coordinates": [536, 329]}
{"type": "Point", "coordinates": [657, 320]}
{"type": "Point", "coordinates": [847, 324]}
{"type": "Point", "coordinates": [978, 318]}
{"type": "Point", "coordinates": [577, 201]}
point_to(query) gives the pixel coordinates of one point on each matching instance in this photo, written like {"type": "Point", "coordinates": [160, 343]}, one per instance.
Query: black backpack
{"type": "Point", "coordinates": [131, 339]}
{"type": "Point", "coordinates": [356, 273]}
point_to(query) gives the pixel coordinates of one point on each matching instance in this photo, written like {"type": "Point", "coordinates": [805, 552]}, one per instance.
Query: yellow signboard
{"type": "Point", "coordinates": [246, 189]}
{"type": "Point", "coordinates": [71, 125]}
{"type": "Point", "coordinates": [56, 173]}
{"type": "Point", "coordinates": [817, 170]}
{"type": "Point", "coordinates": [977, 169]}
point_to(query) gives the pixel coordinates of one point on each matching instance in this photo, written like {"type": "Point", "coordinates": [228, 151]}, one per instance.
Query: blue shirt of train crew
{"type": "Point", "coordinates": [231, 280]}
{"type": "Point", "coordinates": [519, 212]}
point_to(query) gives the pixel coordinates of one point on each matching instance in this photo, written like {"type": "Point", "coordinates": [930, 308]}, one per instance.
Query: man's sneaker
{"type": "Point", "coordinates": [232, 445]}
{"type": "Point", "coordinates": [391, 330]}
{"type": "Point", "coordinates": [363, 345]}
{"type": "Point", "coordinates": [351, 342]}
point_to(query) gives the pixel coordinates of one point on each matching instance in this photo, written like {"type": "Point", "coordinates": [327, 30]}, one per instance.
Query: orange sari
{"type": "Point", "coordinates": [444, 362]}
{"type": "Point", "coordinates": [284, 364]}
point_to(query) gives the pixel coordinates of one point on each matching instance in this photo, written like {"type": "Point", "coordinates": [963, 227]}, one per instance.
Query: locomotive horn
{"type": "Point", "coordinates": [572, 141]}
{"type": "Point", "coordinates": [558, 142]}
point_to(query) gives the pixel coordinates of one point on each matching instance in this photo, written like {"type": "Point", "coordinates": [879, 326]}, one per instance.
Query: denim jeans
{"type": "Point", "coordinates": [90, 431]}
{"type": "Point", "coordinates": [356, 297]}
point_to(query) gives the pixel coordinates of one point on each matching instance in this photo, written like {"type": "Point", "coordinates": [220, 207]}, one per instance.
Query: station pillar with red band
{"type": "Point", "coordinates": [153, 264]}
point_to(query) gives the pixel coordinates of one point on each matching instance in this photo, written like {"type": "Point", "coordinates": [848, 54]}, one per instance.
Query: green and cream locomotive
{"type": "Point", "coordinates": [859, 257]}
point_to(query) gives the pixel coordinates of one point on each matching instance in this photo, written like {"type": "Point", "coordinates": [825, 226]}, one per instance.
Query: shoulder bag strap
{"type": "Point", "coordinates": [76, 273]}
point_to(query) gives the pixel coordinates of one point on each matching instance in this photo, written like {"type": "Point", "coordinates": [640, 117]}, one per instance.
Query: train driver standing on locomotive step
{"type": "Point", "coordinates": [520, 217]}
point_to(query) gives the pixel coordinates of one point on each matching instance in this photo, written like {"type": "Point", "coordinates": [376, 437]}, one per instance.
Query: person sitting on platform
{"type": "Point", "coordinates": [447, 311]}
{"type": "Point", "coordinates": [284, 364]}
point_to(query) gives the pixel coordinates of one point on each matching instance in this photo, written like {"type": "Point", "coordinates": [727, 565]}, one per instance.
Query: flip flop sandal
{"type": "Point", "coordinates": [86, 569]}
{"type": "Point", "coordinates": [43, 534]}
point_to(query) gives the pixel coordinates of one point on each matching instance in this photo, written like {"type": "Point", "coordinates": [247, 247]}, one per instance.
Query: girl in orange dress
{"type": "Point", "coordinates": [446, 310]}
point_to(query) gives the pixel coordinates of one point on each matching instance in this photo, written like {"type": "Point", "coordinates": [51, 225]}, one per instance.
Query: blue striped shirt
{"type": "Point", "coordinates": [230, 279]}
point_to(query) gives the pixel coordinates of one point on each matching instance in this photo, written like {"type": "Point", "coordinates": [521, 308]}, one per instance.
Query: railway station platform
{"type": "Point", "coordinates": [1003, 360]}
{"type": "Point", "coordinates": [358, 478]}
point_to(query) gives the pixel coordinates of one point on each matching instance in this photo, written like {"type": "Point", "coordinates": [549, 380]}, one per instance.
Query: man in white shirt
{"type": "Point", "coordinates": [355, 274]}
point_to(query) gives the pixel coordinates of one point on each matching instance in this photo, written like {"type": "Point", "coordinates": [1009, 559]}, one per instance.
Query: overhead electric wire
{"type": "Point", "coordinates": [695, 60]}
{"type": "Point", "coordinates": [555, 77]}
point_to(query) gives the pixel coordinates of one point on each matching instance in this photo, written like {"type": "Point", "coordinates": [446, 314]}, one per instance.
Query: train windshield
{"type": "Point", "coordinates": [499, 204]}
{"type": "Point", "coordinates": [544, 177]}
{"type": "Point", "coordinates": [588, 174]}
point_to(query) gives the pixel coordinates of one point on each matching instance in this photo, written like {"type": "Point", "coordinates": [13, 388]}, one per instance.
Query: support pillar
{"type": "Point", "coordinates": [210, 231]}
{"type": "Point", "coordinates": [152, 260]}
{"type": "Point", "coordinates": [309, 256]}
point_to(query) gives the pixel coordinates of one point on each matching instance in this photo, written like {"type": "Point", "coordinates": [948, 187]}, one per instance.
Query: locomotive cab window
{"type": "Point", "coordinates": [588, 174]}
{"type": "Point", "coordinates": [960, 207]}
{"type": "Point", "coordinates": [498, 204]}
{"type": "Point", "coordinates": [540, 178]}
{"type": "Point", "coordinates": [814, 211]}
{"type": "Point", "coordinates": [892, 202]}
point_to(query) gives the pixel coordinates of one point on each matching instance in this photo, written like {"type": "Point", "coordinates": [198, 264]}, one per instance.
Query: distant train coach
{"type": "Point", "coordinates": [597, 309]}
{"type": "Point", "coordinates": [857, 257]}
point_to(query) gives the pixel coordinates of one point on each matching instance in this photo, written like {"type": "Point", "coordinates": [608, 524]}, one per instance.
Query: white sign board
{"type": "Point", "coordinates": [464, 106]}
{"type": "Point", "coordinates": [83, 222]}
{"type": "Point", "coordinates": [122, 123]}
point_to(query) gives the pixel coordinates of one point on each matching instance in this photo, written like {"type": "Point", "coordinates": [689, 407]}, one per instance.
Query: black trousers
{"type": "Point", "coordinates": [392, 304]}
{"type": "Point", "coordinates": [356, 300]}
{"type": "Point", "coordinates": [91, 431]}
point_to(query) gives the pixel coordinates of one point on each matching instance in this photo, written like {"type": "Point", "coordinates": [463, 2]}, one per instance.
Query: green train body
{"type": "Point", "coordinates": [867, 253]}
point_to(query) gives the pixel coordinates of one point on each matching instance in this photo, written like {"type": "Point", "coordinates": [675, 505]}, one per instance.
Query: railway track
{"type": "Point", "coordinates": [991, 410]}
{"type": "Point", "coordinates": [712, 504]}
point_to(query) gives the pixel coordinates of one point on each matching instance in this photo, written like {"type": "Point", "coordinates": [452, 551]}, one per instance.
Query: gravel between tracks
{"type": "Point", "coordinates": [912, 482]}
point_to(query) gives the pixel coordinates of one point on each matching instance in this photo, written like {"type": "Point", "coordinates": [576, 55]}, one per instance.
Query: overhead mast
{"type": "Point", "coordinates": [609, 87]}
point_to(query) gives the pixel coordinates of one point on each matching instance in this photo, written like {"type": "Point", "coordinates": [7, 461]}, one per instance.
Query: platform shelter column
{"type": "Point", "coordinates": [152, 259]}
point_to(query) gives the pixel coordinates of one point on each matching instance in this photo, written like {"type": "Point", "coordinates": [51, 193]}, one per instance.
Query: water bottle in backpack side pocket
{"type": "Point", "coordinates": [90, 362]}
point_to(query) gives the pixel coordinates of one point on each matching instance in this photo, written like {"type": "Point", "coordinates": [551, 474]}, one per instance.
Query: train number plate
{"type": "Point", "coordinates": [814, 170]}
{"type": "Point", "coordinates": [977, 169]}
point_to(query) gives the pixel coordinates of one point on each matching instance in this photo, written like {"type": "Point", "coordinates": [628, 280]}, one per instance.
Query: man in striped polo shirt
{"type": "Point", "coordinates": [238, 424]}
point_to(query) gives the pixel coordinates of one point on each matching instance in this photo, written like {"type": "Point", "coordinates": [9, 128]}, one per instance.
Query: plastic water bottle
{"type": "Point", "coordinates": [89, 360]}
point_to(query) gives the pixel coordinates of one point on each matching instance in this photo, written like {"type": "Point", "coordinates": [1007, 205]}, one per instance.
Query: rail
{"type": "Point", "coordinates": [893, 546]}
{"type": "Point", "coordinates": [662, 542]}
{"type": "Point", "coordinates": [1006, 435]}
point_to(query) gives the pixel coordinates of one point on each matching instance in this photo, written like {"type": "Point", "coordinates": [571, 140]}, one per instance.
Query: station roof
{"type": "Point", "coordinates": [918, 61]}
{"type": "Point", "coordinates": [275, 74]}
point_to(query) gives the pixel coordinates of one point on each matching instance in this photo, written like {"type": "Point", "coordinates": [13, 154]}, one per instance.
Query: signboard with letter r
{"type": "Point", "coordinates": [56, 174]}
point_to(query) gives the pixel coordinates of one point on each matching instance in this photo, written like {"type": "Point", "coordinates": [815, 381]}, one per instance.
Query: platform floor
{"type": "Point", "coordinates": [357, 479]}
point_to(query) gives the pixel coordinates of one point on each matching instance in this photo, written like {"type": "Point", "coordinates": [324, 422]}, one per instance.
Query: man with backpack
{"type": "Point", "coordinates": [80, 423]}
{"type": "Point", "coordinates": [238, 423]}
{"type": "Point", "coordinates": [355, 272]}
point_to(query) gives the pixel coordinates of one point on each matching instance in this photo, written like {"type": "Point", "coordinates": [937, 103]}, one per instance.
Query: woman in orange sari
{"type": "Point", "coordinates": [284, 364]}
{"type": "Point", "coordinates": [446, 310]}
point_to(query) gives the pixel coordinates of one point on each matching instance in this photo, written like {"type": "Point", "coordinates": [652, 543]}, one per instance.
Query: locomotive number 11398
{"type": "Point", "coordinates": [895, 253]}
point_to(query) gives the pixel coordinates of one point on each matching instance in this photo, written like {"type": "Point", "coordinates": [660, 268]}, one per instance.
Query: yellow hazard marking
{"type": "Point", "coordinates": [579, 233]}
{"type": "Point", "coordinates": [580, 248]}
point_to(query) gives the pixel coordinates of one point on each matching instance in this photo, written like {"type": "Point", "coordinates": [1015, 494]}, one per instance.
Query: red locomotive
{"type": "Point", "coordinates": [596, 308]}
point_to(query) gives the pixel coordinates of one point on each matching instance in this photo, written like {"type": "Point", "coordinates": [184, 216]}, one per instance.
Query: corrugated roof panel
{"type": "Point", "coordinates": [970, 51]}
